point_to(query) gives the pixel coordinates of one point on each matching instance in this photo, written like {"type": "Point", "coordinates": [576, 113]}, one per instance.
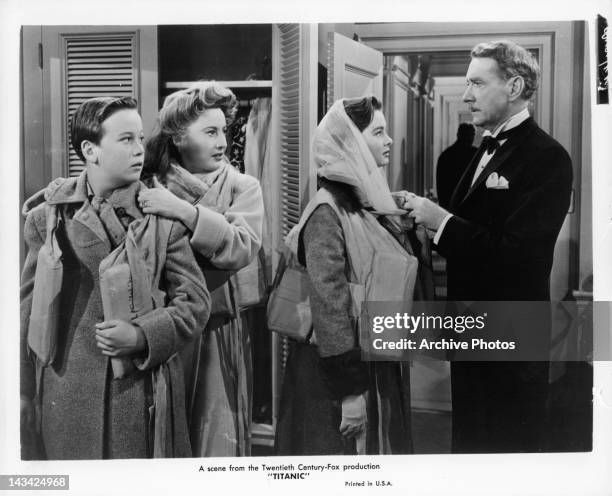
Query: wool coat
{"type": "Point", "coordinates": [84, 413]}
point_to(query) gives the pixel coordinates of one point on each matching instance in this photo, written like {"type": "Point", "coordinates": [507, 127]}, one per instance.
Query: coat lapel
{"type": "Point", "coordinates": [501, 156]}
{"type": "Point", "coordinates": [464, 183]}
{"type": "Point", "coordinates": [88, 217]}
{"type": "Point", "coordinates": [74, 191]}
{"type": "Point", "coordinates": [496, 161]}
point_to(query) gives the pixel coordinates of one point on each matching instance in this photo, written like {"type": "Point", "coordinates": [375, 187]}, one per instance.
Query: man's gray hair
{"type": "Point", "coordinates": [513, 60]}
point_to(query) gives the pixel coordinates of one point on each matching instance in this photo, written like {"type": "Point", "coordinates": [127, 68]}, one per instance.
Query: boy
{"type": "Point", "coordinates": [83, 412]}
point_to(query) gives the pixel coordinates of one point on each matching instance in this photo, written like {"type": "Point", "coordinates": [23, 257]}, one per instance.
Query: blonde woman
{"type": "Point", "coordinates": [223, 210]}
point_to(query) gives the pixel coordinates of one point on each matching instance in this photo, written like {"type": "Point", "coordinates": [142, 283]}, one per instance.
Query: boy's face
{"type": "Point", "coordinates": [120, 153]}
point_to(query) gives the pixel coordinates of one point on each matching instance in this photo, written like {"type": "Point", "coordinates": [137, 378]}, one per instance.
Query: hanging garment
{"type": "Point", "coordinates": [257, 138]}
{"type": "Point", "coordinates": [253, 281]}
{"type": "Point", "coordinates": [238, 136]}
{"type": "Point", "coordinates": [257, 164]}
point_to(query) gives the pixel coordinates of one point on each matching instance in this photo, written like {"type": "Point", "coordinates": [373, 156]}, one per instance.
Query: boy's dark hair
{"type": "Point", "coordinates": [361, 110]}
{"type": "Point", "coordinates": [86, 123]}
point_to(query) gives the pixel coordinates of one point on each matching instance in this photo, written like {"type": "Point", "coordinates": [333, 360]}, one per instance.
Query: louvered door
{"type": "Point", "coordinates": [294, 93]}
{"type": "Point", "coordinates": [289, 87]}
{"type": "Point", "coordinates": [81, 62]}
{"type": "Point", "coordinates": [96, 65]}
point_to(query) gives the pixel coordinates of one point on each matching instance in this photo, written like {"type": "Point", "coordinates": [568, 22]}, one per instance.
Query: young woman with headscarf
{"type": "Point", "coordinates": [350, 236]}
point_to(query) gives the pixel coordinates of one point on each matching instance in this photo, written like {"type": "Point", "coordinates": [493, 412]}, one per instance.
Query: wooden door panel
{"type": "Point", "coordinates": [396, 111]}
{"type": "Point", "coordinates": [353, 69]}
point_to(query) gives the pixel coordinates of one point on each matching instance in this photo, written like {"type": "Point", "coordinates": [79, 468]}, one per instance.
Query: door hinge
{"type": "Point", "coordinates": [40, 55]}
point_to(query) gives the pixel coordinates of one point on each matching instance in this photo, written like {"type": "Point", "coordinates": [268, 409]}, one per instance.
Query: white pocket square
{"type": "Point", "coordinates": [497, 182]}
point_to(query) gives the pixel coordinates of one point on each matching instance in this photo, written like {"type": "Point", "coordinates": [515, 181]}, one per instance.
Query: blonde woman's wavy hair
{"type": "Point", "coordinates": [180, 109]}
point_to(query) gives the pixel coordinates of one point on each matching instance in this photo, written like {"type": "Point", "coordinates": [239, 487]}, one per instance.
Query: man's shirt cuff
{"type": "Point", "coordinates": [438, 235]}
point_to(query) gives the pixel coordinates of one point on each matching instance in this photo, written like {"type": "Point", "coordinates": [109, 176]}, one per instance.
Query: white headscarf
{"type": "Point", "coordinates": [342, 154]}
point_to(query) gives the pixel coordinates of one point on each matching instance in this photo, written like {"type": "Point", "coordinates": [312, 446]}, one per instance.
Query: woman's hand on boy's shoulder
{"type": "Point", "coordinates": [160, 201]}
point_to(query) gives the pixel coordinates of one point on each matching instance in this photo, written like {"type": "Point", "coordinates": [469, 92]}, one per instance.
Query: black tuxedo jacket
{"type": "Point", "coordinates": [499, 243]}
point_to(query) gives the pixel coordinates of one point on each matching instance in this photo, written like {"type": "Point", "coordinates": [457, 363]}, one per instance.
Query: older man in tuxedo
{"type": "Point", "coordinates": [498, 237]}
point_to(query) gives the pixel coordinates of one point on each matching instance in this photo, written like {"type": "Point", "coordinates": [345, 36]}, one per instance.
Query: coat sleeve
{"type": "Point", "coordinates": [326, 264]}
{"type": "Point", "coordinates": [34, 240]}
{"type": "Point", "coordinates": [535, 220]}
{"type": "Point", "coordinates": [231, 239]}
{"type": "Point", "coordinates": [168, 329]}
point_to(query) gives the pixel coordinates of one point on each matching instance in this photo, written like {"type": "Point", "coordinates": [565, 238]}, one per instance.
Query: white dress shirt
{"type": "Point", "coordinates": [511, 123]}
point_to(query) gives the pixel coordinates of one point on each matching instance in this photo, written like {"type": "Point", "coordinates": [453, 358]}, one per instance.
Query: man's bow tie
{"type": "Point", "coordinates": [491, 143]}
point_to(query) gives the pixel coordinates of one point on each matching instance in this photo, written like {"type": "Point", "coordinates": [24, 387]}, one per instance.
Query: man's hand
{"type": "Point", "coordinates": [119, 338]}
{"type": "Point", "coordinates": [425, 211]}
